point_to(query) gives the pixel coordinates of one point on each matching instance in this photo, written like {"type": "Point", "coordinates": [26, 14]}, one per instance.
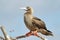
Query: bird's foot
{"type": "Point", "coordinates": [28, 34]}
{"type": "Point", "coordinates": [32, 33]}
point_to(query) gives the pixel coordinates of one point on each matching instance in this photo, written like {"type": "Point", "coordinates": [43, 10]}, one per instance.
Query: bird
{"type": "Point", "coordinates": [35, 24]}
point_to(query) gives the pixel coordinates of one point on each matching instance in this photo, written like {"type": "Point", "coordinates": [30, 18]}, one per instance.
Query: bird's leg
{"type": "Point", "coordinates": [29, 33]}
{"type": "Point", "coordinates": [32, 33]}
{"type": "Point", "coordinates": [35, 33]}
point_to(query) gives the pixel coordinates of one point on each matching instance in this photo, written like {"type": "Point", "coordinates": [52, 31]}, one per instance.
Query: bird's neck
{"type": "Point", "coordinates": [28, 18]}
{"type": "Point", "coordinates": [28, 15]}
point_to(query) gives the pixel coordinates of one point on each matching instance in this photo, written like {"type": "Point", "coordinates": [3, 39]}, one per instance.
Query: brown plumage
{"type": "Point", "coordinates": [34, 23]}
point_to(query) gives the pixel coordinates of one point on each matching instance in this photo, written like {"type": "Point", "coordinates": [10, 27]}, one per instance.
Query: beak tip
{"type": "Point", "coordinates": [23, 8]}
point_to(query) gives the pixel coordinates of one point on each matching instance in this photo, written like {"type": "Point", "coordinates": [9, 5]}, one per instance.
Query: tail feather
{"type": "Point", "coordinates": [49, 33]}
{"type": "Point", "coordinates": [46, 32]}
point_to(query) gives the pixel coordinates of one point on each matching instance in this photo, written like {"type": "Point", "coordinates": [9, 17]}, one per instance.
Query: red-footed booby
{"type": "Point", "coordinates": [34, 24]}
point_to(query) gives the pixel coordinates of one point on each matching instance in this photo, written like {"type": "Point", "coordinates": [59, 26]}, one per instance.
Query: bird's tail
{"type": "Point", "coordinates": [45, 32]}
{"type": "Point", "coordinates": [49, 33]}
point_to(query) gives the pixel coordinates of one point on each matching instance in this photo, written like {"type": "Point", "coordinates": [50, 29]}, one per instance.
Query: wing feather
{"type": "Point", "coordinates": [38, 23]}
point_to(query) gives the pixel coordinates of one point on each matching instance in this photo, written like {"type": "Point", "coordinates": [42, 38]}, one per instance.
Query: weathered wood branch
{"type": "Point", "coordinates": [6, 36]}
{"type": "Point", "coordinates": [24, 36]}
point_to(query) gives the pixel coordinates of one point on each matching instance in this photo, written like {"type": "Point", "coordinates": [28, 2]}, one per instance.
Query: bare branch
{"type": "Point", "coordinates": [23, 36]}
{"type": "Point", "coordinates": [7, 37]}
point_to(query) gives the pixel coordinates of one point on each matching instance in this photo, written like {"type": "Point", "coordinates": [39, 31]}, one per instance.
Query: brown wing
{"type": "Point", "coordinates": [38, 23]}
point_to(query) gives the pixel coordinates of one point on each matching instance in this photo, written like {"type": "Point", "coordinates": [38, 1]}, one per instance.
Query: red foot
{"type": "Point", "coordinates": [28, 34]}
{"type": "Point", "coordinates": [32, 33]}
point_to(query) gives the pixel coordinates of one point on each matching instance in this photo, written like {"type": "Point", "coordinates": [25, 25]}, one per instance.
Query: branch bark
{"type": "Point", "coordinates": [24, 36]}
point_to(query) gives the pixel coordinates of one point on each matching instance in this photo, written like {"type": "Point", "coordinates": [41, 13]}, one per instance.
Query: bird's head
{"type": "Point", "coordinates": [28, 9]}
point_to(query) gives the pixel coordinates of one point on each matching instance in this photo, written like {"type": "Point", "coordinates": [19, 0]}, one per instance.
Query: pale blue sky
{"type": "Point", "coordinates": [12, 17]}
